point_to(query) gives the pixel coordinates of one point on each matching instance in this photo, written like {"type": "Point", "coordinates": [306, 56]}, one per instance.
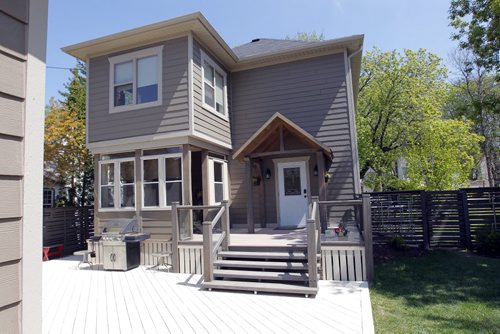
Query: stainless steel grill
{"type": "Point", "coordinates": [121, 244]}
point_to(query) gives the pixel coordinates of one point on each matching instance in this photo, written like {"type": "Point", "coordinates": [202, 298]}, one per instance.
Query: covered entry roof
{"type": "Point", "coordinates": [268, 130]}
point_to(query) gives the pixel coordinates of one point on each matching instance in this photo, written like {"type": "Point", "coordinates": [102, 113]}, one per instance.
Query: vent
{"type": "Point", "coordinates": [255, 40]}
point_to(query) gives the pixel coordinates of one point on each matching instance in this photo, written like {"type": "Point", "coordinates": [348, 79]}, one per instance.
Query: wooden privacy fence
{"type": "Point", "coordinates": [70, 227]}
{"type": "Point", "coordinates": [435, 218]}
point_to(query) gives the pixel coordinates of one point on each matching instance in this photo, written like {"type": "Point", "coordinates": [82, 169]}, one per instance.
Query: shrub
{"type": "Point", "coordinates": [488, 243]}
{"type": "Point", "coordinates": [397, 242]}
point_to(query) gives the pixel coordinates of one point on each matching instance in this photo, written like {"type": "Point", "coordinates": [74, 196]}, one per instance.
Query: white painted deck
{"type": "Point", "coordinates": [150, 301]}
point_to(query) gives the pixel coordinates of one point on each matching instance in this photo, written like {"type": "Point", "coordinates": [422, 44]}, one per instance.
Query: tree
{"type": "Point", "coordinates": [75, 98]}
{"type": "Point", "coordinates": [478, 29]}
{"type": "Point", "coordinates": [475, 98]}
{"type": "Point", "coordinates": [307, 37]}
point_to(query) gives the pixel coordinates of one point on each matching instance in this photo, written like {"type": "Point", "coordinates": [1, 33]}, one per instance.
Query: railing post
{"type": "Point", "coordinates": [312, 261]}
{"type": "Point", "coordinates": [425, 220]}
{"type": "Point", "coordinates": [208, 273]}
{"type": "Point", "coordinates": [226, 225]}
{"type": "Point", "coordinates": [367, 227]}
{"type": "Point", "coordinates": [465, 207]}
{"type": "Point", "coordinates": [175, 238]}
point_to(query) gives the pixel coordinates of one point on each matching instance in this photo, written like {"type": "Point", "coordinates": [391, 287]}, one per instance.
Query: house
{"type": "Point", "coordinates": [176, 115]}
{"type": "Point", "coordinates": [23, 37]}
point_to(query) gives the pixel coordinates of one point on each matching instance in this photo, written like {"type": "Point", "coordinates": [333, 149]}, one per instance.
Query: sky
{"type": "Point", "coordinates": [386, 24]}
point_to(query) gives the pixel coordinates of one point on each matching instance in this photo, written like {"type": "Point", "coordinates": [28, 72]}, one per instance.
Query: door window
{"type": "Point", "coordinates": [292, 181]}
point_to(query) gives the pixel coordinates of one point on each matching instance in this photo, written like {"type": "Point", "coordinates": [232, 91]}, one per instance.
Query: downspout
{"type": "Point", "coordinates": [352, 121]}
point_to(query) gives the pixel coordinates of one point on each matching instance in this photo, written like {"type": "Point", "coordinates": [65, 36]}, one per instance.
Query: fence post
{"type": "Point", "coordinates": [208, 268]}
{"type": "Point", "coordinates": [425, 221]}
{"type": "Point", "coordinates": [465, 209]}
{"type": "Point", "coordinates": [225, 224]}
{"type": "Point", "coordinates": [175, 238]}
{"type": "Point", "coordinates": [367, 227]}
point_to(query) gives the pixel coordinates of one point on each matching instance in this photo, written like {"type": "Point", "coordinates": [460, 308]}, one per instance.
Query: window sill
{"type": "Point", "coordinates": [116, 210]}
{"type": "Point", "coordinates": [130, 107]}
{"type": "Point", "coordinates": [157, 208]}
{"type": "Point", "coordinates": [213, 111]}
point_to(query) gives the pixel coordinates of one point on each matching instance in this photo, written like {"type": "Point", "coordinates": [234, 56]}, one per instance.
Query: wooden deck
{"type": "Point", "coordinates": [150, 301]}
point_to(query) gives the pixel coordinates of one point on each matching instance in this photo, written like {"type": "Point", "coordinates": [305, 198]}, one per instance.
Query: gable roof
{"type": "Point", "coordinates": [268, 129]}
{"type": "Point", "coordinates": [262, 46]}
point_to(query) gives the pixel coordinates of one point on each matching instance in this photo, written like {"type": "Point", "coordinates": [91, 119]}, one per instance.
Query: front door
{"type": "Point", "coordinates": [293, 194]}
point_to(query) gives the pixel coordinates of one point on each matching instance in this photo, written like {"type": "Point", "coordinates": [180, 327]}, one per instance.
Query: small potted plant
{"type": "Point", "coordinates": [341, 231]}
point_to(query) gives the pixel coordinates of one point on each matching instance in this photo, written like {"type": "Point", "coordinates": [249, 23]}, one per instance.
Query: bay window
{"type": "Point", "coordinates": [135, 79]}
{"type": "Point", "coordinates": [162, 180]}
{"type": "Point", "coordinates": [117, 184]}
{"type": "Point", "coordinates": [214, 90]}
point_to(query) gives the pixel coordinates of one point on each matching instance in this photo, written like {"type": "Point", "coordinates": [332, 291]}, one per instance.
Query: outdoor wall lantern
{"type": "Point", "coordinates": [316, 170]}
{"type": "Point", "coordinates": [268, 174]}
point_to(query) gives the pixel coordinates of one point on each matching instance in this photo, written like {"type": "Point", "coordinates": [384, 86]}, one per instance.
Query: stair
{"type": "Point", "coordinates": [262, 269]}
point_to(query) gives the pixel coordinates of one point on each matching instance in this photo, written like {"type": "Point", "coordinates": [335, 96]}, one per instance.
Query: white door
{"type": "Point", "coordinates": [293, 193]}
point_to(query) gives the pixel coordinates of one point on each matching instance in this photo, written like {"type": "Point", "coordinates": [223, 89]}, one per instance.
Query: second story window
{"type": "Point", "coordinates": [214, 89]}
{"type": "Point", "coordinates": [135, 79]}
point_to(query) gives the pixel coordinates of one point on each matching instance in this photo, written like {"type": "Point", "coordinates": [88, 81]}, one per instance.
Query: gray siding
{"type": "Point", "coordinates": [172, 116]}
{"type": "Point", "coordinates": [312, 93]}
{"type": "Point", "coordinates": [207, 122]}
{"type": "Point", "coordinates": [13, 46]}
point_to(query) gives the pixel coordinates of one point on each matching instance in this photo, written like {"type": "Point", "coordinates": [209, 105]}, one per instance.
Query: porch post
{"type": "Point", "coordinates": [248, 178]}
{"type": "Point", "coordinates": [320, 160]}
{"type": "Point", "coordinates": [204, 176]}
{"type": "Point", "coordinates": [186, 185]}
{"type": "Point", "coordinates": [175, 238]}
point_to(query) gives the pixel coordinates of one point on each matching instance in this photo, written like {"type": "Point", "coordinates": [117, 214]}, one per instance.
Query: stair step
{"type": "Point", "coordinates": [261, 287]}
{"type": "Point", "coordinates": [261, 275]}
{"type": "Point", "coordinates": [264, 255]}
{"type": "Point", "coordinates": [261, 264]}
{"type": "Point", "coordinates": [253, 248]}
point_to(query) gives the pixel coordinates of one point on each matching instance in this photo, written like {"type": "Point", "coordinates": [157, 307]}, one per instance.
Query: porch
{"type": "Point", "coordinates": [150, 301]}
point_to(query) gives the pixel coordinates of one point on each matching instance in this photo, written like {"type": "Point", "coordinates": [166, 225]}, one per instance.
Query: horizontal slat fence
{"type": "Point", "coordinates": [70, 227]}
{"type": "Point", "coordinates": [440, 219]}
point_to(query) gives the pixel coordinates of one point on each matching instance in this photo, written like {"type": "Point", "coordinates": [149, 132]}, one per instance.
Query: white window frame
{"type": "Point", "coordinates": [49, 204]}
{"type": "Point", "coordinates": [207, 59]}
{"type": "Point", "coordinates": [133, 56]}
{"type": "Point", "coordinates": [116, 185]}
{"type": "Point", "coordinates": [211, 179]}
{"type": "Point", "coordinates": [162, 191]}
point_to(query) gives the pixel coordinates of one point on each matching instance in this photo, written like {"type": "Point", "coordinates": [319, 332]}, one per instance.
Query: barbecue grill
{"type": "Point", "coordinates": [121, 241]}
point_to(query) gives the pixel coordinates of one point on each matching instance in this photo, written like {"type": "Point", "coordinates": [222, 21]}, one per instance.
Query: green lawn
{"type": "Point", "coordinates": [441, 292]}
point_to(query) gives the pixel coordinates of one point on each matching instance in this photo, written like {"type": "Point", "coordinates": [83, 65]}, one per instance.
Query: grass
{"type": "Point", "coordinates": [440, 292]}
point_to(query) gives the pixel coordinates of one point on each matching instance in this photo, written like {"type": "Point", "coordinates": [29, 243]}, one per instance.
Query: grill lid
{"type": "Point", "coordinates": [120, 226]}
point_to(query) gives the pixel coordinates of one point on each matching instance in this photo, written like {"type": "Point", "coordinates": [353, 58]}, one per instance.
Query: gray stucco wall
{"type": "Point", "coordinates": [313, 94]}
{"type": "Point", "coordinates": [205, 121]}
{"type": "Point", "coordinates": [172, 116]}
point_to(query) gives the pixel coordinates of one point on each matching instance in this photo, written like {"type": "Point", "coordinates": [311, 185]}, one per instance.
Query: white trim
{"type": "Point", "coordinates": [217, 68]}
{"type": "Point", "coordinates": [202, 136]}
{"type": "Point", "coordinates": [352, 125]}
{"type": "Point", "coordinates": [190, 83]}
{"type": "Point", "coordinates": [276, 162]}
{"type": "Point", "coordinates": [211, 181]}
{"type": "Point", "coordinates": [87, 93]}
{"type": "Point", "coordinates": [162, 193]}
{"type": "Point", "coordinates": [116, 185]}
{"type": "Point", "coordinates": [133, 56]}
{"type": "Point", "coordinates": [138, 142]}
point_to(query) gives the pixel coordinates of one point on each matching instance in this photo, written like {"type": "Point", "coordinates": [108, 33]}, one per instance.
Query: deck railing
{"type": "Point", "coordinates": [313, 243]}
{"type": "Point", "coordinates": [212, 239]}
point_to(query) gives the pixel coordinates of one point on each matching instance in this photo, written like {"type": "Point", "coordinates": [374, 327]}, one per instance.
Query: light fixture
{"type": "Point", "coordinates": [316, 170]}
{"type": "Point", "coordinates": [268, 174]}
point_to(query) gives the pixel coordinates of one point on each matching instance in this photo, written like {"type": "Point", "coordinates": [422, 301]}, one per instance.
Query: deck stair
{"type": "Point", "coordinates": [262, 269]}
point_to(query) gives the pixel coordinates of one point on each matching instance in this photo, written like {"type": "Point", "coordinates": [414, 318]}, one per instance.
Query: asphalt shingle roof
{"type": "Point", "coordinates": [262, 46]}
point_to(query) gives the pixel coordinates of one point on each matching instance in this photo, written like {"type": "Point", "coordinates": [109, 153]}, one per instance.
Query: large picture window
{"type": "Point", "coordinates": [162, 180]}
{"type": "Point", "coordinates": [117, 184]}
{"type": "Point", "coordinates": [214, 88]}
{"type": "Point", "coordinates": [135, 80]}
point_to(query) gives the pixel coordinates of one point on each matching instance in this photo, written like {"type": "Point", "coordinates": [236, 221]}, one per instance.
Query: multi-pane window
{"type": "Point", "coordinates": [162, 180]}
{"type": "Point", "coordinates": [117, 184]}
{"type": "Point", "coordinates": [218, 181]}
{"type": "Point", "coordinates": [214, 86]}
{"type": "Point", "coordinates": [136, 79]}
{"type": "Point", "coordinates": [48, 198]}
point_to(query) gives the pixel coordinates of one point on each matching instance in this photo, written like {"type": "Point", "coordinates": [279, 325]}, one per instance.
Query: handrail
{"type": "Point", "coordinates": [218, 243]}
{"type": "Point", "coordinates": [197, 207]}
{"type": "Point", "coordinates": [217, 216]}
{"type": "Point", "coordinates": [347, 202]}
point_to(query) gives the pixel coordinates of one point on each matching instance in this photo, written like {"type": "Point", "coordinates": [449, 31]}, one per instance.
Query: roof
{"type": "Point", "coordinates": [262, 46]}
{"type": "Point", "coordinates": [269, 128]}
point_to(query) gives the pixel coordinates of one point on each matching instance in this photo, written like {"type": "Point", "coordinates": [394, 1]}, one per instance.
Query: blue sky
{"type": "Point", "coordinates": [387, 24]}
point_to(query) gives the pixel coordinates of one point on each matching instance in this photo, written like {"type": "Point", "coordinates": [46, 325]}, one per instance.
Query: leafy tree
{"type": "Point", "coordinates": [75, 94]}
{"type": "Point", "coordinates": [475, 97]}
{"type": "Point", "coordinates": [478, 29]}
{"type": "Point", "coordinates": [307, 37]}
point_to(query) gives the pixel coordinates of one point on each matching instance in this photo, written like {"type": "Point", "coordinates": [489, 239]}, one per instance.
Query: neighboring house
{"type": "Point", "coordinates": [176, 115]}
{"type": "Point", "coordinates": [23, 38]}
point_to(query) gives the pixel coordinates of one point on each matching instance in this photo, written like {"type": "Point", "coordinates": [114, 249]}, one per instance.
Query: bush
{"type": "Point", "coordinates": [397, 242]}
{"type": "Point", "coordinates": [488, 243]}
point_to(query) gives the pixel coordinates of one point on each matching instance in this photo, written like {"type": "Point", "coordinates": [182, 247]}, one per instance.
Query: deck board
{"type": "Point", "coordinates": [150, 301]}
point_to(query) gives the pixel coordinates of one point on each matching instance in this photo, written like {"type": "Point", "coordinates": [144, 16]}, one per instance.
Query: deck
{"type": "Point", "coordinates": [149, 301]}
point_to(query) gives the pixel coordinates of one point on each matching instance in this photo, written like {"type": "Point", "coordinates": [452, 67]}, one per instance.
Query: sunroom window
{"type": "Point", "coordinates": [117, 184]}
{"type": "Point", "coordinates": [136, 79]}
{"type": "Point", "coordinates": [218, 181]}
{"type": "Point", "coordinates": [162, 180]}
{"type": "Point", "coordinates": [214, 86]}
